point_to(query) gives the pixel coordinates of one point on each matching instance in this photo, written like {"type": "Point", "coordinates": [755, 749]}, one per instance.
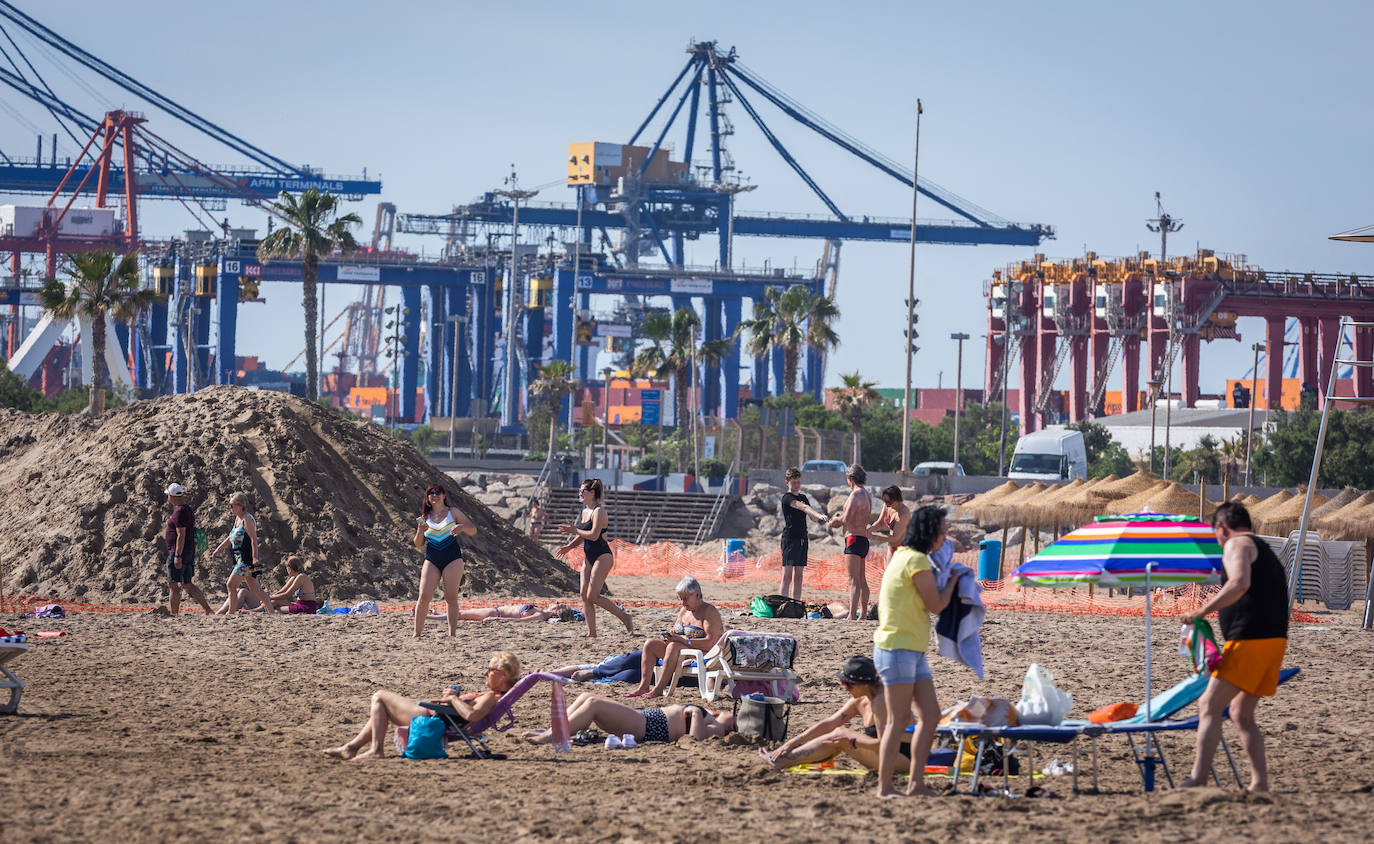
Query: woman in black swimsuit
{"type": "Point", "coordinates": [591, 530]}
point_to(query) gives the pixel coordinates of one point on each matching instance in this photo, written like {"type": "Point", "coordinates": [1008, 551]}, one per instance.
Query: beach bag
{"type": "Point", "coordinates": [785, 607]}
{"type": "Point", "coordinates": [759, 607]}
{"type": "Point", "coordinates": [426, 739]}
{"type": "Point", "coordinates": [762, 716]}
{"type": "Point", "coordinates": [1041, 702]}
{"type": "Point", "coordinates": [818, 611]}
{"type": "Point", "coordinates": [1197, 642]}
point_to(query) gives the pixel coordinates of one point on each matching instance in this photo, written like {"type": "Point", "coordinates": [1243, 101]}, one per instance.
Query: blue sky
{"type": "Point", "coordinates": [1252, 119]}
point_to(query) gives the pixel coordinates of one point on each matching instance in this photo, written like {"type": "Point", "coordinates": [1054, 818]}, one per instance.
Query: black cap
{"type": "Point", "coordinates": [859, 669]}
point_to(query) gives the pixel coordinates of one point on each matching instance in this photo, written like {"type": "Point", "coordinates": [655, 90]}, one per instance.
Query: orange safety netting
{"type": "Point", "coordinates": [664, 559]}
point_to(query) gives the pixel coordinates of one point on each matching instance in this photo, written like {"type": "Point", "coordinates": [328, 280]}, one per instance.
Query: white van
{"type": "Point", "coordinates": [1054, 454]}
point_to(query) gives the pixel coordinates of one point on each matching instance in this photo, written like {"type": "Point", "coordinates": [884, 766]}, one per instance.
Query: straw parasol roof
{"type": "Point", "coordinates": [1136, 502]}
{"type": "Point", "coordinates": [1284, 518]}
{"type": "Point", "coordinates": [1045, 509]}
{"type": "Point", "coordinates": [1260, 510]}
{"type": "Point", "coordinates": [1248, 501]}
{"type": "Point", "coordinates": [1342, 498]}
{"type": "Point", "coordinates": [1010, 509]}
{"type": "Point", "coordinates": [1113, 488]}
{"type": "Point", "coordinates": [1353, 521]}
{"type": "Point", "coordinates": [980, 503]}
{"type": "Point", "coordinates": [1173, 498]}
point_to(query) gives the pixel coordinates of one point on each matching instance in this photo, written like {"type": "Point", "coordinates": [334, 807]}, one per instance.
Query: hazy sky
{"type": "Point", "coordinates": [1252, 118]}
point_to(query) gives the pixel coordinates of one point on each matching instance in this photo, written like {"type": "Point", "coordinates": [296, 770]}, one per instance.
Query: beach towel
{"type": "Point", "coordinates": [50, 611]}
{"type": "Point", "coordinates": [558, 719]}
{"type": "Point", "coordinates": [956, 629]}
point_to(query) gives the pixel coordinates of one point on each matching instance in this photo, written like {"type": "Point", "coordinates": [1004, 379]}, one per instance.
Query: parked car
{"type": "Point", "coordinates": [825, 466]}
{"type": "Point", "coordinates": [939, 467]}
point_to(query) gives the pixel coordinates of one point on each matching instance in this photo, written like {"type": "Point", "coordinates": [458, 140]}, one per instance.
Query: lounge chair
{"type": "Point", "coordinates": [1142, 735]}
{"type": "Point", "coordinates": [744, 655]}
{"type": "Point", "coordinates": [10, 648]}
{"type": "Point", "coordinates": [471, 732]}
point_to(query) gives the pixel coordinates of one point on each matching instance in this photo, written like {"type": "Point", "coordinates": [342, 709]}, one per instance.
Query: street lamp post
{"type": "Point", "coordinates": [606, 416]}
{"type": "Point", "coordinates": [959, 338]}
{"type": "Point", "coordinates": [1153, 384]}
{"type": "Point", "coordinates": [514, 194]}
{"type": "Point", "coordinates": [398, 314]}
{"type": "Point", "coordinates": [911, 302]}
{"type": "Point", "coordinates": [459, 322]}
{"type": "Point", "coordinates": [1250, 428]}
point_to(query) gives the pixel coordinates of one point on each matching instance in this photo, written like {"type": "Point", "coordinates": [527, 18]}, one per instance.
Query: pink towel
{"type": "Point", "coordinates": [558, 719]}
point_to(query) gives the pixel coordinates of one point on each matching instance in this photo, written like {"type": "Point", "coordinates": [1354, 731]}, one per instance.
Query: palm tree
{"type": "Point", "coordinates": [99, 287]}
{"type": "Point", "coordinates": [673, 350]}
{"type": "Point", "coordinates": [850, 401]}
{"type": "Point", "coordinates": [311, 227]}
{"type": "Point", "coordinates": [554, 382]}
{"type": "Point", "coordinates": [788, 321]}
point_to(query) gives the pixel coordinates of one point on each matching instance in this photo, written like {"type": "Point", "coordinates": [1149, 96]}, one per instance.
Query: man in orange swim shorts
{"type": "Point", "coordinates": [1253, 609]}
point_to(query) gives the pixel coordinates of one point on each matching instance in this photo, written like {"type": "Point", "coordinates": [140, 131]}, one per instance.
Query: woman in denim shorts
{"type": "Point", "coordinates": [905, 602]}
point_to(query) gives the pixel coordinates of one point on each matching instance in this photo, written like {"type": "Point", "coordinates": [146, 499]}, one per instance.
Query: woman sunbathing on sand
{"type": "Point", "coordinates": [389, 708]}
{"type": "Point", "coordinates": [508, 612]}
{"type": "Point", "coordinates": [647, 725]}
{"type": "Point", "coordinates": [828, 738]}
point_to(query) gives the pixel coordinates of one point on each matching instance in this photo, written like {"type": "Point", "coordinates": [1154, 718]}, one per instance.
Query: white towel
{"type": "Point", "coordinates": [965, 646]}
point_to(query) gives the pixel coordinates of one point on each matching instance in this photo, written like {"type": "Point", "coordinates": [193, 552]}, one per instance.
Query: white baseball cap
{"type": "Point", "coordinates": [176, 489]}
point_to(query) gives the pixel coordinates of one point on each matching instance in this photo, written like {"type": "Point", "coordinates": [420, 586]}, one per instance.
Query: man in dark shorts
{"type": "Point", "coordinates": [1253, 609]}
{"type": "Point", "coordinates": [795, 508]}
{"type": "Point", "coordinates": [858, 508]}
{"type": "Point", "coordinates": [180, 536]}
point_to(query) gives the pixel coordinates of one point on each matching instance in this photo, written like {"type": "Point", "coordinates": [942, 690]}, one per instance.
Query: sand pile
{"type": "Point", "coordinates": [83, 501]}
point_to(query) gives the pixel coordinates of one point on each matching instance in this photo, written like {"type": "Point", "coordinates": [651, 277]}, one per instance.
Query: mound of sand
{"type": "Point", "coordinates": [84, 509]}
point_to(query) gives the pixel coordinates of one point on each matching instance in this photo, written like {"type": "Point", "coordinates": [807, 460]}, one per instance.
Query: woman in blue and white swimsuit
{"type": "Point", "coordinates": [243, 545]}
{"type": "Point", "coordinates": [436, 533]}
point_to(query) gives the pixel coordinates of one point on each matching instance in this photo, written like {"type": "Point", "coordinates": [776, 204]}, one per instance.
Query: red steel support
{"type": "Point", "coordinates": [1030, 308]}
{"type": "Point", "coordinates": [1081, 311]}
{"type": "Point", "coordinates": [1364, 350]}
{"type": "Point", "coordinates": [1045, 337]}
{"type": "Point", "coordinates": [1158, 337]}
{"type": "Point", "coordinates": [1101, 344]}
{"type": "Point", "coordinates": [1273, 351]}
{"type": "Point", "coordinates": [992, 357]}
{"type": "Point", "coordinates": [1307, 351]}
{"type": "Point", "coordinates": [1330, 330]}
{"type": "Point", "coordinates": [1133, 303]}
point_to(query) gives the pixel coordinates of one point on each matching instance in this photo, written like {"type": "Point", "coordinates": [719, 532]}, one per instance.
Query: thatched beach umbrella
{"type": "Point", "coordinates": [1113, 490]}
{"type": "Point", "coordinates": [1260, 510]}
{"type": "Point", "coordinates": [978, 505]}
{"type": "Point", "coordinates": [1353, 521]}
{"type": "Point", "coordinates": [1010, 508]}
{"type": "Point", "coordinates": [1046, 509]}
{"type": "Point", "coordinates": [1341, 499]}
{"type": "Point", "coordinates": [1284, 518]}
{"type": "Point", "coordinates": [1173, 498]}
{"type": "Point", "coordinates": [1249, 501]}
{"type": "Point", "coordinates": [1136, 502]}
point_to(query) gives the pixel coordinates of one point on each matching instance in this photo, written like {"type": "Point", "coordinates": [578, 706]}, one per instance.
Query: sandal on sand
{"type": "Point", "coordinates": [1040, 791]}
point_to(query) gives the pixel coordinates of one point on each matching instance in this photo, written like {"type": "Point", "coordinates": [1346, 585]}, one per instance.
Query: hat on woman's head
{"type": "Point", "coordinates": [176, 490]}
{"type": "Point", "coordinates": [859, 669]}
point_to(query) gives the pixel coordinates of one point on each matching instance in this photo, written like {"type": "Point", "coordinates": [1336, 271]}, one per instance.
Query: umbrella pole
{"type": "Point", "coordinates": [1148, 716]}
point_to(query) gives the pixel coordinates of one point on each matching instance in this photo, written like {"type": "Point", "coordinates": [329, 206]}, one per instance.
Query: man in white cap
{"type": "Point", "coordinates": [181, 550]}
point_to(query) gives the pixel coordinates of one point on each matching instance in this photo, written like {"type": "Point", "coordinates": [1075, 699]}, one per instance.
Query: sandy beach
{"type": "Point", "coordinates": [139, 728]}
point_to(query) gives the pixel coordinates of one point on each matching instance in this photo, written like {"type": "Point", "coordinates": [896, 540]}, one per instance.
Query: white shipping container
{"type": "Point", "coordinates": [23, 220]}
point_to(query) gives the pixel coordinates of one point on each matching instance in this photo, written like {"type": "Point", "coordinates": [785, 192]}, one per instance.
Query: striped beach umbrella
{"type": "Point", "coordinates": [1128, 550]}
{"type": "Point", "coordinates": [1149, 550]}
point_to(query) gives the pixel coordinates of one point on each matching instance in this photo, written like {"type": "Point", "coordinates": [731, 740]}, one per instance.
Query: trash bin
{"type": "Point", "coordinates": [990, 559]}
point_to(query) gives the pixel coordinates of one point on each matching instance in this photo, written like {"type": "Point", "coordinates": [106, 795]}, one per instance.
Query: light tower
{"type": "Point", "coordinates": [514, 298]}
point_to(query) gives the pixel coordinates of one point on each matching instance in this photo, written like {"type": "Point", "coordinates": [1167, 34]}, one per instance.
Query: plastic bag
{"type": "Point", "coordinates": [1041, 702]}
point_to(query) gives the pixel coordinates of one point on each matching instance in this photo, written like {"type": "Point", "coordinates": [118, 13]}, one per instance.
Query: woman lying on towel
{"type": "Point", "coordinates": [511, 612]}
{"type": "Point", "coordinates": [830, 737]}
{"type": "Point", "coordinates": [389, 708]}
{"type": "Point", "coordinates": [664, 725]}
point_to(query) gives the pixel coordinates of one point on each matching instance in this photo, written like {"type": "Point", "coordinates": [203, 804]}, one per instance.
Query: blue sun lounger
{"type": "Point", "coordinates": [1142, 735]}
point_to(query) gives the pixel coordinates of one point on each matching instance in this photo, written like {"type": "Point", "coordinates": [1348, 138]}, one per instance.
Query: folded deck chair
{"type": "Point", "coordinates": [10, 648]}
{"type": "Point", "coordinates": [746, 655]}
{"type": "Point", "coordinates": [471, 732]}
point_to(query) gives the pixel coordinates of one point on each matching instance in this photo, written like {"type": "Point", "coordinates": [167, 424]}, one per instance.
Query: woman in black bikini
{"type": "Point", "coordinates": [664, 725]}
{"type": "Point", "coordinates": [436, 533]}
{"type": "Point", "coordinates": [698, 626]}
{"type": "Point", "coordinates": [591, 530]}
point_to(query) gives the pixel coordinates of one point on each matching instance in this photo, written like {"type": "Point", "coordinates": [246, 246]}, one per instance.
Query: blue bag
{"type": "Point", "coordinates": [426, 738]}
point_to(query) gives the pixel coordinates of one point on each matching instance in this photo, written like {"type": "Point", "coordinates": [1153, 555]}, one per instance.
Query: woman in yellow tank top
{"type": "Point", "coordinates": [907, 598]}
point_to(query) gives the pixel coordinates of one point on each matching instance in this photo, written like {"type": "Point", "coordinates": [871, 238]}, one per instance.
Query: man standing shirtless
{"type": "Point", "coordinates": [858, 508]}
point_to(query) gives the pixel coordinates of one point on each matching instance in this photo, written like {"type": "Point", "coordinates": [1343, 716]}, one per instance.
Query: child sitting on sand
{"type": "Point", "coordinates": [298, 595]}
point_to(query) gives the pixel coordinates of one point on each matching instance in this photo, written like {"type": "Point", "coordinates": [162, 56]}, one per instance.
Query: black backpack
{"type": "Point", "coordinates": [785, 607]}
